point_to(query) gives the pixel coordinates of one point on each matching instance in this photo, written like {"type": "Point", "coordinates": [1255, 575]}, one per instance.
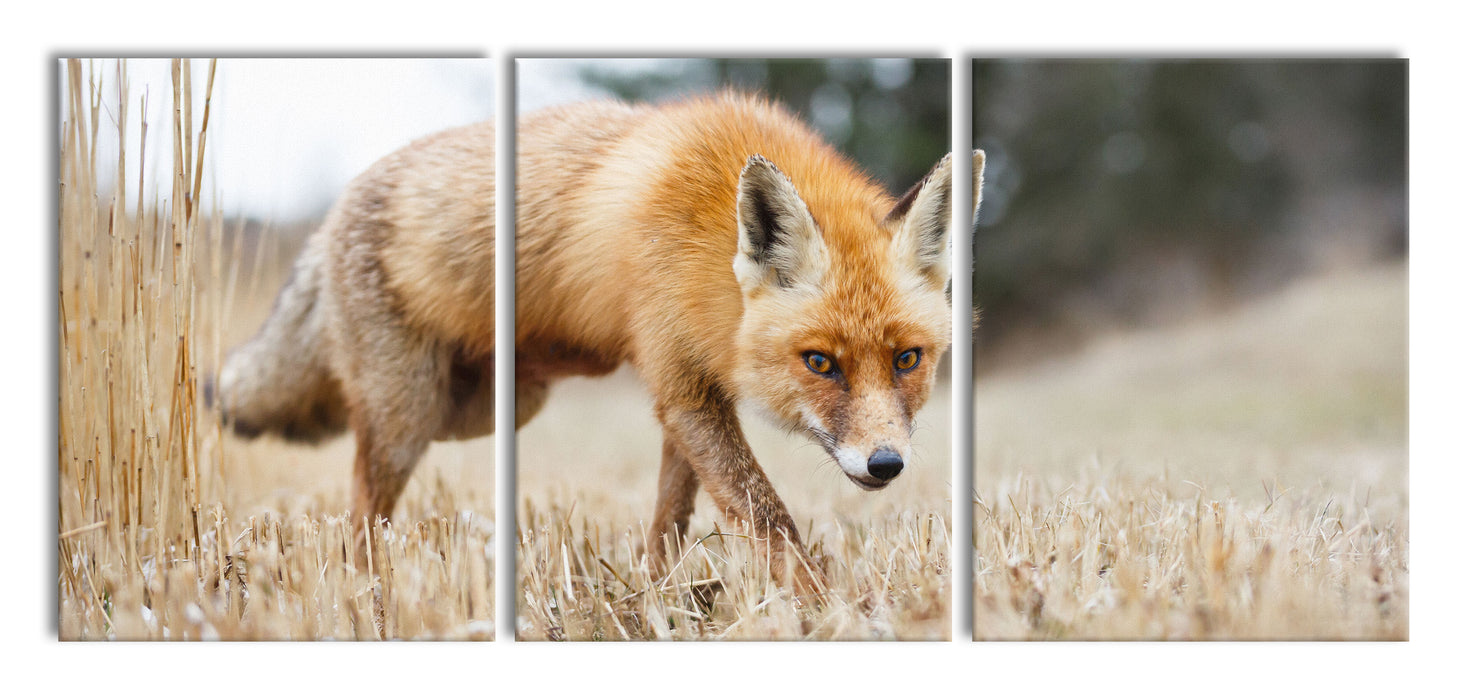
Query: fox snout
{"type": "Point", "coordinates": [884, 464]}
{"type": "Point", "coordinates": [870, 471]}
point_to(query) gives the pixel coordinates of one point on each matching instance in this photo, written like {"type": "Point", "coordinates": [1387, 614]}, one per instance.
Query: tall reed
{"type": "Point", "coordinates": [132, 452]}
{"type": "Point", "coordinates": [169, 528]}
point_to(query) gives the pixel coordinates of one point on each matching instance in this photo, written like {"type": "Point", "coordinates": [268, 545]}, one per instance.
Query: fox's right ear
{"type": "Point", "coordinates": [779, 242]}
{"type": "Point", "coordinates": [978, 184]}
{"type": "Point", "coordinates": [921, 218]}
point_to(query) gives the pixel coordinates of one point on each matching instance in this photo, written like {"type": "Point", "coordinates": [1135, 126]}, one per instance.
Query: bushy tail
{"type": "Point", "coordinates": [280, 381]}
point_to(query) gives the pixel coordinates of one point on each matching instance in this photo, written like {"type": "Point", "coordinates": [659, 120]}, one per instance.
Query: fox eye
{"type": "Point", "coordinates": [908, 359]}
{"type": "Point", "coordinates": [818, 363]}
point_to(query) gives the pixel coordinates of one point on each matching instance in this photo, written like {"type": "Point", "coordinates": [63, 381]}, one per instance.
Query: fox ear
{"type": "Point", "coordinates": [978, 185]}
{"type": "Point", "coordinates": [779, 242]}
{"type": "Point", "coordinates": [922, 217]}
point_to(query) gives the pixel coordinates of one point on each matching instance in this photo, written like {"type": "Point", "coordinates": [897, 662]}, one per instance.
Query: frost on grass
{"type": "Point", "coordinates": [1237, 477]}
{"type": "Point", "coordinates": [1127, 560]}
{"type": "Point", "coordinates": [888, 579]}
{"type": "Point", "coordinates": [587, 478]}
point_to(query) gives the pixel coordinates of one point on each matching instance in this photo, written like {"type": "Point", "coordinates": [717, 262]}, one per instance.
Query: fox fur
{"type": "Point", "coordinates": [716, 244]}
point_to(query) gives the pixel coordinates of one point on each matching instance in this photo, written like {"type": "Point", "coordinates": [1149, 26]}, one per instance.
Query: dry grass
{"type": "Point", "coordinates": [587, 485]}
{"type": "Point", "coordinates": [1243, 477]}
{"type": "Point", "coordinates": [168, 528]}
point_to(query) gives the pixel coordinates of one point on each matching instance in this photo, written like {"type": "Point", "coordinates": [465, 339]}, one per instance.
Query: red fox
{"type": "Point", "coordinates": [716, 244]}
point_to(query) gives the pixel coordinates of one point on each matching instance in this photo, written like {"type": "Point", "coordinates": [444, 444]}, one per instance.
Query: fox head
{"type": "Point", "coordinates": [846, 309]}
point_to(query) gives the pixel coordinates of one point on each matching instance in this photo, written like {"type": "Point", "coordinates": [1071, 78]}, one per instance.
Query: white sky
{"type": "Point", "coordinates": [285, 135]}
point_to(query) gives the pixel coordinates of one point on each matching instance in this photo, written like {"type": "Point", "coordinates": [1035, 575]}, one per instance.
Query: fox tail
{"type": "Point", "coordinates": [280, 381]}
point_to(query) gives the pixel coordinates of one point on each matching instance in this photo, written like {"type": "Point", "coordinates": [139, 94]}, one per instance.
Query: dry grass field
{"type": "Point", "coordinates": [587, 483]}
{"type": "Point", "coordinates": [168, 528]}
{"type": "Point", "coordinates": [1241, 477]}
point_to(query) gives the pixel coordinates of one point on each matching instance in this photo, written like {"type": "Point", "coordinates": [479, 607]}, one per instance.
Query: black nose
{"type": "Point", "coordinates": [884, 464]}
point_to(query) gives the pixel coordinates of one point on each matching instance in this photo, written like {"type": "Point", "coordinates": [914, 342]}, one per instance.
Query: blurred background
{"type": "Point", "coordinates": [286, 135]}
{"type": "Point", "coordinates": [1193, 284]}
{"type": "Point", "coordinates": [891, 115]}
{"type": "Point", "coordinates": [1128, 193]}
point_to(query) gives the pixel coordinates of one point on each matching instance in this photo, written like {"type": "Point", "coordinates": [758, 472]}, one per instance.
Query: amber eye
{"type": "Point", "coordinates": [908, 360]}
{"type": "Point", "coordinates": [818, 363]}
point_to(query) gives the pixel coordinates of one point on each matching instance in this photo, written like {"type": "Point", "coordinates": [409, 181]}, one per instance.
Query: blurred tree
{"type": "Point", "coordinates": [891, 115]}
{"type": "Point", "coordinates": [1102, 170]}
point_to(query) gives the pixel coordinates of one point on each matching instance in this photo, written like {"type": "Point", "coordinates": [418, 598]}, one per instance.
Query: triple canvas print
{"type": "Point", "coordinates": [733, 400]}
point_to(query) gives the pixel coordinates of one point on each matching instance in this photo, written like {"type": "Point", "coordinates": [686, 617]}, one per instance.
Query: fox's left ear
{"type": "Point", "coordinates": [779, 243]}
{"type": "Point", "coordinates": [922, 217]}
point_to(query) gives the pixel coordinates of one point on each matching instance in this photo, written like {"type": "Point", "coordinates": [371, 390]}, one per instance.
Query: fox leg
{"type": "Point", "coordinates": [385, 459]}
{"type": "Point", "coordinates": [708, 434]}
{"type": "Point", "coordinates": [399, 405]}
{"type": "Point", "coordinates": [399, 384]}
{"type": "Point", "coordinates": [390, 441]}
{"type": "Point", "coordinates": [677, 488]}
